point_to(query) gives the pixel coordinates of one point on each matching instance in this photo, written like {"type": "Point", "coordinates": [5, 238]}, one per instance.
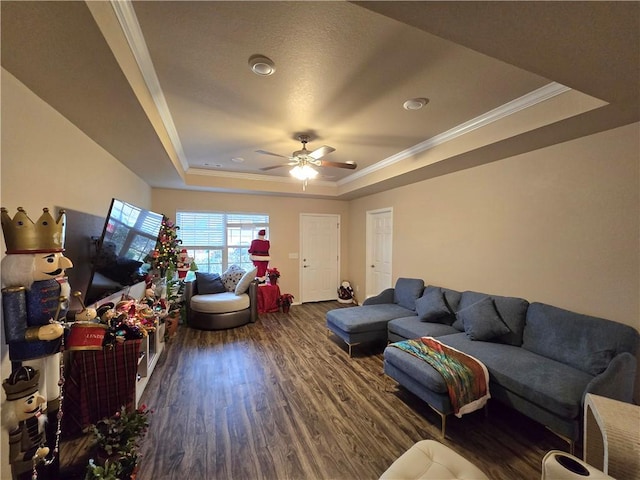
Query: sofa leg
{"type": "Point", "coordinates": [443, 421]}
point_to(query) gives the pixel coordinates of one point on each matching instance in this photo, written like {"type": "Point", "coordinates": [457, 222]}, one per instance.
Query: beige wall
{"type": "Point", "coordinates": [284, 222]}
{"type": "Point", "coordinates": [48, 162]}
{"type": "Point", "coordinates": [559, 225]}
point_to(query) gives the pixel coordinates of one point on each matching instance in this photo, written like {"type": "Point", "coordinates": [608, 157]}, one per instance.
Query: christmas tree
{"type": "Point", "coordinates": [164, 257]}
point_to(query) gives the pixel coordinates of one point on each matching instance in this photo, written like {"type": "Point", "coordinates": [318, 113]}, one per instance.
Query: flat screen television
{"type": "Point", "coordinates": [129, 234]}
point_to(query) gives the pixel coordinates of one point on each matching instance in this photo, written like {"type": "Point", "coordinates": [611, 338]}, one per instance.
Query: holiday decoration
{"type": "Point", "coordinates": [164, 258]}
{"type": "Point", "coordinates": [185, 264]}
{"type": "Point", "coordinates": [117, 443]}
{"type": "Point", "coordinates": [35, 297]}
{"type": "Point", "coordinates": [273, 275]}
{"type": "Point", "coordinates": [26, 420]}
{"type": "Point", "coordinates": [259, 254]}
{"type": "Point", "coordinates": [345, 293]}
{"type": "Point", "coordinates": [285, 300]}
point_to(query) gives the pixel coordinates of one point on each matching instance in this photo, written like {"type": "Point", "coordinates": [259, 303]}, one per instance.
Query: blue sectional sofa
{"type": "Point", "coordinates": [542, 360]}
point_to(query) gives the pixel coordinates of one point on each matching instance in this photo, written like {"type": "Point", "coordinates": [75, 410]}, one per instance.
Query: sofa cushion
{"type": "Point", "coordinates": [512, 311]}
{"type": "Point", "coordinates": [407, 291]}
{"type": "Point", "coordinates": [556, 386]}
{"type": "Point", "coordinates": [231, 277]}
{"type": "Point", "coordinates": [245, 281]}
{"type": "Point", "coordinates": [220, 302]}
{"type": "Point", "coordinates": [207, 283]}
{"type": "Point", "coordinates": [366, 317]}
{"type": "Point", "coordinates": [584, 342]}
{"type": "Point", "coordinates": [481, 320]}
{"type": "Point", "coordinates": [413, 327]}
{"type": "Point", "coordinates": [416, 368]}
{"type": "Point", "coordinates": [431, 306]}
{"type": "Point", "coordinates": [452, 297]}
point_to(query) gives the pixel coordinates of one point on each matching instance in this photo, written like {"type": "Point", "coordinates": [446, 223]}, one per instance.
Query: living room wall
{"type": "Point", "coordinates": [284, 223]}
{"type": "Point", "coordinates": [48, 162]}
{"type": "Point", "coordinates": [559, 225]}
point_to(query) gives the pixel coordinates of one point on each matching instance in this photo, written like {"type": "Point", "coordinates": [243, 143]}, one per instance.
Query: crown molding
{"type": "Point", "coordinates": [526, 101]}
{"type": "Point", "coordinates": [254, 177]}
{"type": "Point", "coordinates": [131, 28]}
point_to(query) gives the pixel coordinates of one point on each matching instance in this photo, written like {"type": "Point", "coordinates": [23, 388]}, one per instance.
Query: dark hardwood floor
{"type": "Point", "coordinates": [281, 399]}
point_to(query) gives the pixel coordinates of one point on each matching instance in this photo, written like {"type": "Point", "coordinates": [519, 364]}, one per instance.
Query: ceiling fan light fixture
{"type": "Point", "coordinates": [415, 103]}
{"type": "Point", "coordinates": [261, 65]}
{"type": "Point", "coordinates": [304, 172]}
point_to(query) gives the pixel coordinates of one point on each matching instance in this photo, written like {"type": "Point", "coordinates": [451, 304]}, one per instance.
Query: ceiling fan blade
{"type": "Point", "coordinates": [321, 152]}
{"type": "Point", "coordinates": [264, 169]}
{"type": "Point", "coordinates": [350, 166]}
{"type": "Point", "coordinates": [264, 152]}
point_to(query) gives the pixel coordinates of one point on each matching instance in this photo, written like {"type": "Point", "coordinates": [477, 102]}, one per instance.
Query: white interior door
{"type": "Point", "coordinates": [379, 251]}
{"type": "Point", "coordinates": [319, 255]}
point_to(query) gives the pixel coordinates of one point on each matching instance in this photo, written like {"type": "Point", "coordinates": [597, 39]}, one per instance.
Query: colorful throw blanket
{"type": "Point", "coordinates": [467, 378]}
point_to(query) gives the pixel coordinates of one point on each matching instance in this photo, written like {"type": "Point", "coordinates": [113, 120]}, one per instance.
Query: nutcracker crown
{"type": "Point", "coordinates": [22, 235]}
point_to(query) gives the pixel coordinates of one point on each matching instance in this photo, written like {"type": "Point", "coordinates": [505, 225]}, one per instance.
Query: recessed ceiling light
{"type": "Point", "coordinates": [237, 159]}
{"type": "Point", "coordinates": [261, 65]}
{"type": "Point", "coordinates": [415, 103]}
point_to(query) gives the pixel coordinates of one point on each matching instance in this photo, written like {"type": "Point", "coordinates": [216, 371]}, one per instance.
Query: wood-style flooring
{"type": "Point", "coordinates": [281, 399]}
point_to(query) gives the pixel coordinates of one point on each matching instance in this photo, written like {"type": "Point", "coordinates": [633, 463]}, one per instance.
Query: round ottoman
{"type": "Point", "coordinates": [430, 459]}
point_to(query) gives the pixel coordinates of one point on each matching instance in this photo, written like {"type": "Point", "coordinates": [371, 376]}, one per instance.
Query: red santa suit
{"type": "Point", "coordinates": [259, 253]}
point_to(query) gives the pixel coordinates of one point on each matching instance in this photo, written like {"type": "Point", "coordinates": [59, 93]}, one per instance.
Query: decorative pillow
{"type": "Point", "coordinates": [209, 283]}
{"type": "Point", "coordinates": [431, 306]}
{"type": "Point", "coordinates": [407, 291]}
{"type": "Point", "coordinates": [245, 281]}
{"type": "Point", "coordinates": [231, 277]}
{"type": "Point", "coordinates": [481, 320]}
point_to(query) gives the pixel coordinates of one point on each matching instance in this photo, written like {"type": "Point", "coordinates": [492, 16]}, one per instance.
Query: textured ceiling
{"type": "Point", "coordinates": [166, 87]}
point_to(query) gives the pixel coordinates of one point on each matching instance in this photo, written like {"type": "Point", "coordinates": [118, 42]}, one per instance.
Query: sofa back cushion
{"type": "Point", "coordinates": [512, 311]}
{"type": "Point", "coordinates": [407, 291]}
{"type": "Point", "coordinates": [584, 342]}
{"type": "Point", "coordinates": [438, 305]}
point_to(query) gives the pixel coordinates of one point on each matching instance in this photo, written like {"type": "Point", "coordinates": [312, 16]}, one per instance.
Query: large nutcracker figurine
{"type": "Point", "coordinates": [33, 300]}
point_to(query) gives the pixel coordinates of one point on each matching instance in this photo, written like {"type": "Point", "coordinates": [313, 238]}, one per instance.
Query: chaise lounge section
{"type": "Point", "coordinates": [368, 322]}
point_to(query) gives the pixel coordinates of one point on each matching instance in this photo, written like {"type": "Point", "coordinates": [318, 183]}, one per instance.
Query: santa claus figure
{"type": "Point", "coordinates": [259, 254]}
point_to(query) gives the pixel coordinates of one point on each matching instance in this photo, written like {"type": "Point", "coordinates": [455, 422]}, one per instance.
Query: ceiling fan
{"type": "Point", "coordinates": [304, 160]}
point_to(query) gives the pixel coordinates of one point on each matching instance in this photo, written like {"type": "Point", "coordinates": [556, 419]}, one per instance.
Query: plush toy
{"type": "Point", "coordinates": [345, 293]}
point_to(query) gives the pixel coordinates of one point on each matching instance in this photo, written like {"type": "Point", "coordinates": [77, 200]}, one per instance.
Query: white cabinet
{"type": "Point", "coordinates": [150, 349]}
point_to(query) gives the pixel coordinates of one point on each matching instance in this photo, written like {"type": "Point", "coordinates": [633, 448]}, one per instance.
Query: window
{"type": "Point", "coordinates": [216, 240]}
